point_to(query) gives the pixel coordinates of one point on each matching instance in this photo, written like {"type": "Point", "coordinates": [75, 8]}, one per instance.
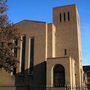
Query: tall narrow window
{"type": "Point", "coordinates": [65, 51]}
{"type": "Point", "coordinates": [15, 48]}
{"type": "Point", "coordinates": [64, 16]}
{"type": "Point", "coordinates": [60, 17]}
{"type": "Point", "coordinates": [31, 61]}
{"type": "Point", "coordinates": [23, 49]}
{"type": "Point", "coordinates": [68, 13]}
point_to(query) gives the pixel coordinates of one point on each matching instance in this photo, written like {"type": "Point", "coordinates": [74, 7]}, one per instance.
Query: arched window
{"type": "Point", "coordinates": [64, 16]}
{"type": "Point", "coordinates": [68, 16]}
{"type": "Point", "coordinates": [59, 76]}
{"type": "Point", "coordinates": [60, 17]}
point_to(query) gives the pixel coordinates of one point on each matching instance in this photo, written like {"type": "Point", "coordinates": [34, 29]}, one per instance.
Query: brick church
{"type": "Point", "coordinates": [50, 54]}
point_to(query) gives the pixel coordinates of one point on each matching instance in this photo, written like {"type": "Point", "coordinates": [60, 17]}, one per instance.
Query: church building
{"type": "Point", "coordinates": [50, 54]}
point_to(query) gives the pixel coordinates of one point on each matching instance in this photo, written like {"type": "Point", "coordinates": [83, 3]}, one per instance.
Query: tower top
{"type": "Point", "coordinates": [71, 5]}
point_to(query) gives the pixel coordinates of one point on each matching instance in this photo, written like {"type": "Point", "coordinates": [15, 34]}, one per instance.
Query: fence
{"type": "Point", "coordinates": [42, 88]}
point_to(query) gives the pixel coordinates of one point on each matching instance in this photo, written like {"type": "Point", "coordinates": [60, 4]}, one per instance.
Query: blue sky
{"type": "Point", "coordinates": [41, 10]}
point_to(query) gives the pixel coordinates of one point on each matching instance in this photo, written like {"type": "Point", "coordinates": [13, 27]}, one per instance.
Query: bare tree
{"type": "Point", "coordinates": [8, 36]}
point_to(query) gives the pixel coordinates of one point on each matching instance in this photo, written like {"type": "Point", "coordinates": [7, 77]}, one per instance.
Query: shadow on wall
{"type": "Point", "coordinates": [36, 79]}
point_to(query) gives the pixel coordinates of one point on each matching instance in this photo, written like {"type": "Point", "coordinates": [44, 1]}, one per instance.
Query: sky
{"type": "Point", "coordinates": [41, 10]}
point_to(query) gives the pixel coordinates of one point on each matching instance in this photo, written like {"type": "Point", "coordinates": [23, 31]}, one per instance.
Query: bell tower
{"type": "Point", "coordinates": [68, 38]}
